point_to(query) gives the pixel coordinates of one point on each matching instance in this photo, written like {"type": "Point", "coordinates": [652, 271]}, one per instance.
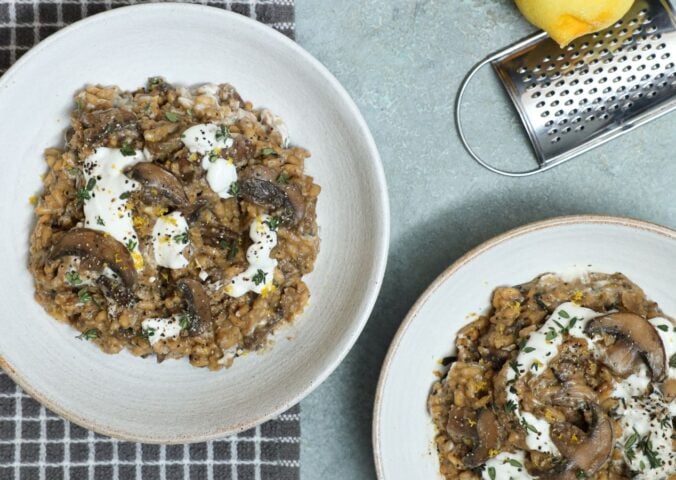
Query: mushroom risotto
{"type": "Point", "coordinates": [564, 378]}
{"type": "Point", "coordinates": [175, 222]}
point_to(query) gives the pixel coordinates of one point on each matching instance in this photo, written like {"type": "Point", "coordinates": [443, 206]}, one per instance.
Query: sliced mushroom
{"type": "Point", "coordinates": [164, 139]}
{"type": "Point", "coordinates": [99, 248]}
{"type": "Point", "coordinates": [488, 438]}
{"type": "Point", "coordinates": [242, 150]}
{"type": "Point", "coordinates": [621, 357]}
{"type": "Point", "coordinates": [215, 235]}
{"type": "Point", "coordinates": [669, 389]}
{"type": "Point", "coordinates": [212, 234]}
{"type": "Point", "coordinates": [186, 169]}
{"type": "Point", "coordinates": [193, 211]}
{"type": "Point", "coordinates": [295, 197]}
{"type": "Point", "coordinates": [480, 429]}
{"type": "Point", "coordinates": [99, 124]}
{"type": "Point", "coordinates": [461, 424]}
{"type": "Point", "coordinates": [197, 305]}
{"type": "Point", "coordinates": [574, 394]}
{"type": "Point", "coordinates": [587, 454]}
{"type": "Point", "coordinates": [115, 291]}
{"type": "Point", "coordinates": [639, 333]}
{"type": "Point", "coordinates": [567, 438]}
{"type": "Point", "coordinates": [69, 135]}
{"type": "Point", "coordinates": [159, 182]}
{"type": "Point", "coordinates": [258, 185]}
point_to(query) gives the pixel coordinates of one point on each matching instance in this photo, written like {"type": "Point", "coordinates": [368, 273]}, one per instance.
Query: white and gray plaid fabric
{"type": "Point", "coordinates": [23, 23]}
{"type": "Point", "coordinates": [37, 444]}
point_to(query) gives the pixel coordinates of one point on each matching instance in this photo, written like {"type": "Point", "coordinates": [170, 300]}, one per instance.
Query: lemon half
{"type": "Point", "coordinates": [566, 20]}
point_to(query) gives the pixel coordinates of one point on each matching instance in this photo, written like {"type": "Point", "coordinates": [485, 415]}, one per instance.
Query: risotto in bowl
{"type": "Point", "coordinates": [546, 353]}
{"type": "Point", "coordinates": [564, 378]}
{"type": "Point", "coordinates": [163, 212]}
{"type": "Point", "coordinates": [176, 222]}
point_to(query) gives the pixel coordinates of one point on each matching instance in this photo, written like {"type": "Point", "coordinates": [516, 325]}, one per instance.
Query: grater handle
{"type": "Point", "coordinates": [465, 142]}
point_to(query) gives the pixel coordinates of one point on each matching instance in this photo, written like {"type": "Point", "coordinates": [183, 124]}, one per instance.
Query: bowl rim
{"type": "Point", "coordinates": [459, 263]}
{"type": "Point", "coordinates": [382, 226]}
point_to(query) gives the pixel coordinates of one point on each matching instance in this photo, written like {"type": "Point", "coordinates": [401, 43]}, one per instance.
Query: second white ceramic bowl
{"type": "Point", "coordinates": [403, 433]}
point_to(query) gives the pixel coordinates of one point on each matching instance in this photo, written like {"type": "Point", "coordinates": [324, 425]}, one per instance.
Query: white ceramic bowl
{"type": "Point", "coordinates": [132, 398]}
{"type": "Point", "coordinates": [403, 433]}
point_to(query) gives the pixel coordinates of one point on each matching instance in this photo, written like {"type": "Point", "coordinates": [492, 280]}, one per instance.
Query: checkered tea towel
{"type": "Point", "coordinates": [37, 444]}
{"type": "Point", "coordinates": [23, 23]}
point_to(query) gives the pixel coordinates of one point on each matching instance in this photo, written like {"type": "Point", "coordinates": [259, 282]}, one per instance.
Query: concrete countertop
{"type": "Point", "coordinates": [402, 61]}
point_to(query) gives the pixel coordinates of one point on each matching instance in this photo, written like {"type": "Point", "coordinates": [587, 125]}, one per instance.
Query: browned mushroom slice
{"type": "Point", "coordinates": [478, 429]}
{"type": "Point", "coordinates": [164, 139]}
{"type": "Point", "coordinates": [587, 454]}
{"type": "Point", "coordinates": [461, 424]}
{"type": "Point", "coordinates": [193, 211]}
{"type": "Point", "coordinates": [296, 199]}
{"type": "Point", "coordinates": [488, 438]}
{"type": "Point", "coordinates": [186, 169]}
{"type": "Point", "coordinates": [567, 438]}
{"type": "Point", "coordinates": [100, 124]}
{"type": "Point", "coordinates": [241, 150]}
{"type": "Point", "coordinates": [215, 235]}
{"type": "Point", "coordinates": [621, 358]}
{"type": "Point", "coordinates": [197, 305]}
{"type": "Point", "coordinates": [115, 291]}
{"type": "Point", "coordinates": [595, 450]}
{"type": "Point", "coordinates": [639, 333]}
{"type": "Point", "coordinates": [574, 394]}
{"type": "Point", "coordinates": [669, 389]}
{"type": "Point", "coordinates": [159, 182]}
{"type": "Point", "coordinates": [258, 185]}
{"type": "Point", "coordinates": [99, 248]}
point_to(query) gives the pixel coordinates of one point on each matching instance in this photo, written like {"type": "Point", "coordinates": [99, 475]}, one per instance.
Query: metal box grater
{"type": "Point", "coordinates": [575, 98]}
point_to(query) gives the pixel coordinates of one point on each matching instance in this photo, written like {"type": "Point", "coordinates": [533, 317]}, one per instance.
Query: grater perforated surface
{"type": "Point", "coordinates": [574, 98]}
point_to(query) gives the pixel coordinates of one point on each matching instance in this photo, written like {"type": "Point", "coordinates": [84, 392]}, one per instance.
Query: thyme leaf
{"type": "Point", "coordinates": [90, 334]}
{"type": "Point", "coordinates": [259, 277]}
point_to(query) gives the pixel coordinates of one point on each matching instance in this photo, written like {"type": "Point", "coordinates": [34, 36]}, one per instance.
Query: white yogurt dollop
{"type": "Point", "coordinates": [633, 386]}
{"type": "Point", "coordinates": [207, 140]}
{"type": "Point", "coordinates": [106, 207]}
{"type": "Point", "coordinates": [258, 277]}
{"type": "Point", "coordinates": [665, 330]}
{"type": "Point", "coordinates": [170, 237]}
{"type": "Point", "coordinates": [648, 419]}
{"type": "Point", "coordinates": [203, 138]}
{"type": "Point", "coordinates": [158, 329]}
{"type": "Point", "coordinates": [540, 348]}
{"type": "Point", "coordinates": [221, 175]}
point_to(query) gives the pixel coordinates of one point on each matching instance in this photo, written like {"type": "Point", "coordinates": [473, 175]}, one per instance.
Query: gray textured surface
{"type": "Point", "coordinates": [402, 61]}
